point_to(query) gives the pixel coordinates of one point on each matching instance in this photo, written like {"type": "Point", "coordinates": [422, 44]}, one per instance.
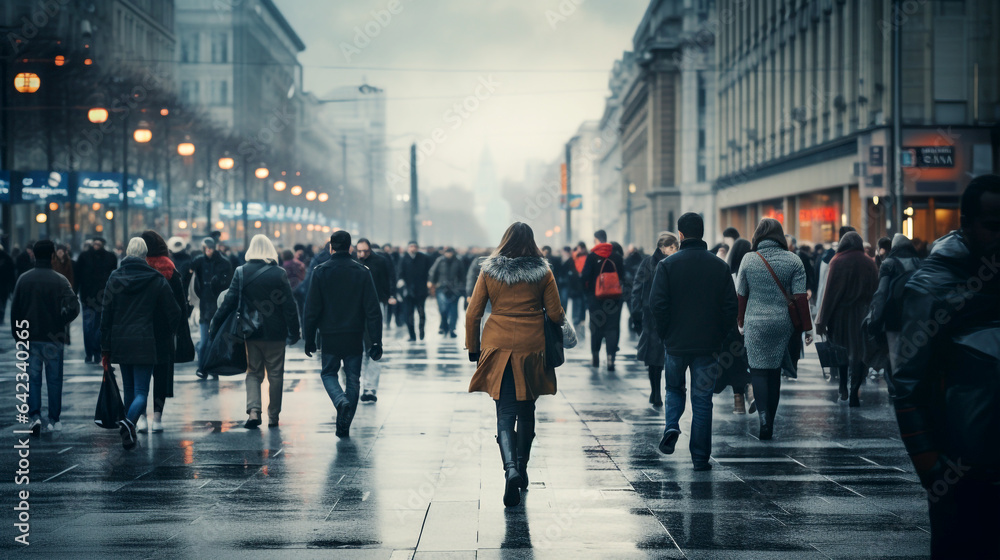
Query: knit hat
{"type": "Point", "coordinates": [155, 245]}
{"type": "Point", "coordinates": [208, 243]}
{"type": "Point", "coordinates": [176, 244]}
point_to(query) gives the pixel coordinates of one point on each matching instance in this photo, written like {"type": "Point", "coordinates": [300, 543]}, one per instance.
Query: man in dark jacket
{"type": "Point", "coordinates": [947, 384]}
{"type": "Point", "coordinates": [414, 267]}
{"type": "Point", "coordinates": [93, 268]}
{"type": "Point", "coordinates": [8, 276]}
{"type": "Point", "coordinates": [342, 305]}
{"type": "Point", "coordinates": [606, 312]}
{"type": "Point", "coordinates": [693, 302]}
{"type": "Point", "coordinates": [43, 307]}
{"type": "Point", "coordinates": [385, 288]}
{"type": "Point", "coordinates": [447, 276]}
{"type": "Point", "coordinates": [211, 274]}
{"type": "Point", "coordinates": [25, 260]}
{"type": "Point", "coordinates": [885, 316]}
{"type": "Point", "coordinates": [181, 259]}
{"type": "Point", "coordinates": [393, 311]}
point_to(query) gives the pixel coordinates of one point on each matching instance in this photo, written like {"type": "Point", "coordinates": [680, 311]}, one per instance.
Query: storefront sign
{"type": "Point", "coordinates": [876, 156]}
{"type": "Point", "coordinates": [41, 186]}
{"type": "Point", "coordinates": [821, 214]}
{"type": "Point", "coordinates": [104, 188]}
{"type": "Point", "coordinates": [928, 156]}
{"type": "Point", "coordinates": [575, 202]}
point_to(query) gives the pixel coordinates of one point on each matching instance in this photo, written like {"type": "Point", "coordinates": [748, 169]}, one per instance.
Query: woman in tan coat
{"type": "Point", "coordinates": [517, 282]}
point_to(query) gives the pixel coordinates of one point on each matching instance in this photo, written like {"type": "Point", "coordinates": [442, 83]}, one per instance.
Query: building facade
{"type": "Point", "coordinates": [805, 112]}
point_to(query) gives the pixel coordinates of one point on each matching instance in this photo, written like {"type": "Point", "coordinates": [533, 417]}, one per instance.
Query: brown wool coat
{"type": "Point", "coordinates": [517, 289]}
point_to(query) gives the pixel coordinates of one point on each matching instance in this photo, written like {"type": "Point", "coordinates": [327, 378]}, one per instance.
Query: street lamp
{"type": "Point", "coordinates": [41, 218]}
{"type": "Point", "coordinates": [226, 163]}
{"type": "Point", "coordinates": [261, 173]}
{"type": "Point", "coordinates": [296, 190]}
{"type": "Point", "coordinates": [185, 149]}
{"type": "Point", "coordinates": [311, 196]}
{"type": "Point", "coordinates": [280, 185]}
{"type": "Point", "coordinates": [142, 134]}
{"type": "Point", "coordinates": [97, 115]}
{"type": "Point", "coordinates": [27, 82]}
{"type": "Point", "coordinates": [323, 197]}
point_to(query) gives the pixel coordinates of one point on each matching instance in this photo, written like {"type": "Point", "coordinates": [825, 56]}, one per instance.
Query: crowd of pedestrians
{"type": "Point", "coordinates": [928, 323]}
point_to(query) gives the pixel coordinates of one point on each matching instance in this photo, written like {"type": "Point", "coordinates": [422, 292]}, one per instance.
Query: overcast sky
{"type": "Point", "coordinates": [541, 68]}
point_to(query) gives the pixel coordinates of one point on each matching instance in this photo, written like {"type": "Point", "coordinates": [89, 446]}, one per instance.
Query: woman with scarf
{"type": "Point", "coordinates": [850, 283]}
{"type": "Point", "coordinates": [650, 348]}
{"type": "Point", "coordinates": [158, 257]}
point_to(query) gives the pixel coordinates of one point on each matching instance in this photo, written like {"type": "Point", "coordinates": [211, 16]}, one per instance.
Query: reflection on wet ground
{"type": "Point", "coordinates": [421, 478]}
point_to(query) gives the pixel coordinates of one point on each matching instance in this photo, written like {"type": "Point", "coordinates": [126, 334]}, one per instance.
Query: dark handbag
{"type": "Point", "coordinates": [110, 408]}
{"type": "Point", "coordinates": [248, 319]}
{"type": "Point", "coordinates": [734, 369]}
{"type": "Point", "coordinates": [184, 350]}
{"type": "Point", "coordinates": [831, 355]}
{"type": "Point", "coordinates": [226, 353]}
{"type": "Point", "coordinates": [798, 306]}
{"type": "Point", "coordinates": [555, 355]}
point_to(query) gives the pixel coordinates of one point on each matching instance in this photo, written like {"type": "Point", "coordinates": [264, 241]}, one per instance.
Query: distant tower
{"type": "Point", "coordinates": [492, 211]}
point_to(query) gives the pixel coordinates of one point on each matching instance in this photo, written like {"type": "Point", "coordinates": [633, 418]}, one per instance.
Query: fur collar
{"type": "Point", "coordinates": [513, 271]}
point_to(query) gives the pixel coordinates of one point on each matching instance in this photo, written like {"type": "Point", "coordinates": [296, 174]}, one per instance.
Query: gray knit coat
{"type": "Point", "coordinates": [766, 323]}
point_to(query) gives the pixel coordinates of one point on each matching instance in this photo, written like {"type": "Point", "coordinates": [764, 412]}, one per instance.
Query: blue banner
{"type": "Point", "coordinates": [4, 186]}
{"type": "Point", "coordinates": [104, 188]}
{"type": "Point", "coordinates": [143, 193]}
{"type": "Point", "coordinates": [41, 186]}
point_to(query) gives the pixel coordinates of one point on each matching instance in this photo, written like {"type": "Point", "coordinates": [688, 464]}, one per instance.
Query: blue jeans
{"type": "Point", "coordinates": [448, 305]}
{"type": "Point", "coordinates": [135, 381]}
{"type": "Point", "coordinates": [331, 381]}
{"type": "Point", "coordinates": [92, 332]}
{"type": "Point", "coordinates": [703, 373]}
{"type": "Point", "coordinates": [202, 343]}
{"type": "Point", "coordinates": [49, 354]}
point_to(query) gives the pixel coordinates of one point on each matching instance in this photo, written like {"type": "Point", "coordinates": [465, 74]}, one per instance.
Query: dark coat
{"type": "Point", "coordinates": [46, 301]}
{"type": "Point", "coordinates": [650, 347]}
{"type": "Point", "coordinates": [382, 275]}
{"type": "Point", "coordinates": [342, 299]}
{"type": "Point", "coordinates": [568, 278]}
{"type": "Point", "coordinates": [163, 373]}
{"type": "Point", "coordinates": [850, 283]}
{"type": "Point", "coordinates": [139, 310]}
{"type": "Point", "coordinates": [182, 262]}
{"type": "Point", "coordinates": [24, 262]}
{"type": "Point", "coordinates": [448, 276]}
{"type": "Point", "coordinates": [413, 271]}
{"type": "Point", "coordinates": [947, 387]}
{"type": "Point", "coordinates": [592, 269]}
{"type": "Point", "coordinates": [93, 268]}
{"type": "Point", "coordinates": [211, 276]}
{"type": "Point", "coordinates": [899, 261]}
{"type": "Point", "coordinates": [693, 300]}
{"type": "Point", "coordinates": [8, 275]}
{"type": "Point", "coordinates": [270, 294]}
{"type": "Point", "coordinates": [518, 289]}
{"type": "Point", "coordinates": [296, 272]}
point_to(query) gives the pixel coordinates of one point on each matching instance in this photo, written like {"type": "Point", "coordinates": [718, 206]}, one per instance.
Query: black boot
{"type": "Point", "coordinates": [523, 454]}
{"type": "Point", "coordinates": [597, 359]}
{"type": "Point", "coordinates": [655, 397]}
{"type": "Point", "coordinates": [857, 379]}
{"type": "Point", "coordinates": [508, 453]}
{"type": "Point", "coordinates": [842, 372]}
{"type": "Point", "coordinates": [611, 362]}
{"type": "Point", "coordinates": [766, 425]}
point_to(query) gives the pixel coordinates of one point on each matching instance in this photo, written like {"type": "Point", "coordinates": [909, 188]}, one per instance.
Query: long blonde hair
{"type": "Point", "coordinates": [261, 248]}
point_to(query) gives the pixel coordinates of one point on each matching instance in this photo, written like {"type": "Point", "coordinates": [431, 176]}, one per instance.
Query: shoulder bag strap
{"type": "Point", "coordinates": [788, 298]}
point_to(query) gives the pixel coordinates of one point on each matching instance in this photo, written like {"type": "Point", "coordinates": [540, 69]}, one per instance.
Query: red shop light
{"type": "Point", "coordinates": [821, 214]}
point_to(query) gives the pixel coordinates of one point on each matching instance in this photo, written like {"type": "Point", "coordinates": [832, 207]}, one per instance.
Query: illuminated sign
{"type": "Point", "coordinates": [821, 214]}
{"type": "Point", "coordinates": [928, 156]}
{"type": "Point", "coordinates": [47, 186]}
{"type": "Point", "coordinates": [4, 186]}
{"type": "Point", "coordinates": [105, 188]}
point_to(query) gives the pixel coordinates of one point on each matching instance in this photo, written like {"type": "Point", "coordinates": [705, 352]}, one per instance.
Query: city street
{"type": "Point", "coordinates": [421, 475]}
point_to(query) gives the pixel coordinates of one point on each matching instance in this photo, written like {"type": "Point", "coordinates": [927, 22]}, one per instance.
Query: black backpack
{"type": "Point", "coordinates": [893, 314]}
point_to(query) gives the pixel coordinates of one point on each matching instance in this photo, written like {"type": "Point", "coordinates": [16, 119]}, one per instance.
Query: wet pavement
{"type": "Point", "coordinates": [420, 476]}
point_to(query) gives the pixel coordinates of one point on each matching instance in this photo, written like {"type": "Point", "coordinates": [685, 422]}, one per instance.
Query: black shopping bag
{"type": "Point", "coordinates": [831, 355]}
{"type": "Point", "coordinates": [733, 368]}
{"type": "Point", "coordinates": [110, 408]}
{"type": "Point", "coordinates": [227, 353]}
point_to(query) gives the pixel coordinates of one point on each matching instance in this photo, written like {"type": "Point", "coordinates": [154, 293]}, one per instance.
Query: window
{"type": "Point", "coordinates": [190, 45]}
{"type": "Point", "coordinates": [220, 92]}
{"type": "Point", "coordinates": [189, 92]}
{"type": "Point", "coordinates": [220, 47]}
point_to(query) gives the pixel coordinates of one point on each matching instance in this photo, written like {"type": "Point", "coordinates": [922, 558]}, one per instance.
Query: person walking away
{"type": "Point", "coordinates": [211, 274]}
{"type": "Point", "coordinates": [138, 312]}
{"type": "Point", "coordinates": [266, 291]}
{"type": "Point", "coordinates": [693, 304]}
{"type": "Point", "coordinates": [414, 267]}
{"type": "Point", "coordinates": [650, 348]}
{"type": "Point", "coordinates": [296, 272]}
{"type": "Point", "coordinates": [163, 373]}
{"type": "Point", "coordinates": [8, 276]}
{"type": "Point", "coordinates": [795, 347]}
{"type": "Point", "coordinates": [182, 260]}
{"type": "Point", "coordinates": [94, 267]}
{"type": "Point", "coordinates": [605, 312]}
{"type": "Point", "coordinates": [742, 391]}
{"type": "Point", "coordinates": [851, 282]}
{"type": "Point", "coordinates": [901, 261]}
{"type": "Point", "coordinates": [25, 261]}
{"type": "Point", "coordinates": [447, 278]}
{"type": "Point", "coordinates": [571, 288]}
{"type": "Point", "coordinates": [63, 264]}
{"type": "Point", "coordinates": [764, 314]}
{"type": "Point", "coordinates": [43, 307]}
{"type": "Point", "coordinates": [510, 353]}
{"type": "Point", "coordinates": [946, 388]}
{"type": "Point", "coordinates": [381, 270]}
{"type": "Point", "coordinates": [394, 312]}
{"type": "Point", "coordinates": [342, 305]}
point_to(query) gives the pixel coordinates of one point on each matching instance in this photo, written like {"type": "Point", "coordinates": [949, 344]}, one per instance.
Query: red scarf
{"type": "Point", "coordinates": [163, 265]}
